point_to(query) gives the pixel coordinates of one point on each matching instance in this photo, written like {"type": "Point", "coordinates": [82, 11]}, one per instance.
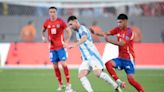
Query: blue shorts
{"type": "Point", "coordinates": [127, 65]}
{"type": "Point", "coordinates": [58, 55]}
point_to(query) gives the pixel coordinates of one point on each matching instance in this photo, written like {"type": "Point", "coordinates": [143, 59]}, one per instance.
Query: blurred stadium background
{"type": "Point", "coordinates": [23, 64]}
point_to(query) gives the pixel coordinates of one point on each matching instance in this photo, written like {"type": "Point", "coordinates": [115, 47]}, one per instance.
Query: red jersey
{"type": "Point", "coordinates": [55, 32]}
{"type": "Point", "coordinates": [126, 51]}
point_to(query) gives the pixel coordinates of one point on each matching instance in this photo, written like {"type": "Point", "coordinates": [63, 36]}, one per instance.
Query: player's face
{"type": "Point", "coordinates": [73, 25]}
{"type": "Point", "coordinates": [122, 23]}
{"type": "Point", "coordinates": [52, 13]}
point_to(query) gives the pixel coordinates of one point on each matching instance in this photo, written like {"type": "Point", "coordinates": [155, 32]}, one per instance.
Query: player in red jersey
{"type": "Point", "coordinates": [126, 56]}
{"type": "Point", "coordinates": [55, 27]}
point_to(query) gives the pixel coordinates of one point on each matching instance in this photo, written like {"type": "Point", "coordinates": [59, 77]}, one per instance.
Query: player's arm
{"type": "Point", "coordinates": [67, 39]}
{"type": "Point", "coordinates": [97, 33]}
{"type": "Point", "coordinates": [82, 40]}
{"type": "Point", "coordinates": [119, 43]}
{"type": "Point", "coordinates": [69, 34]}
{"type": "Point", "coordinates": [44, 35]}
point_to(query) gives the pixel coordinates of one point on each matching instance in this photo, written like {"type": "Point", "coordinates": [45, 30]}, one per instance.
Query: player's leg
{"type": "Point", "coordinates": [134, 83]}
{"type": "Point", "coordinates": [63, 57]}
{"type": "Point", "coordinates": [109, 66]}
{"type": "Point", "coordinates": [83, 72]}
{"type": "Point", "coordinates": [97, 69]}
{"type": "Point", "coordinates": [130, 70]}
{"type": "Point", "coordinates": [115, 63]}
{"type": "Point", "coordinates": [104, 76]}
{"type": "Point", "coordinates": [54, 59]}
{"type": "Point", "coordinates": [58, 76]}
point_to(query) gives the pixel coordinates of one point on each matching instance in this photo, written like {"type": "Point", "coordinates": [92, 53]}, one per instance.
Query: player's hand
{"type": "Point", "coordinates": [107, 38]}
{"type": "Point", "coordinates": [65, 45]}
{"type": "Point", "coordinates": [44, 39]}
{"type": "Point", "coordinates": [104, 35]}
{"type": "Point", "coordinates": [72, 46]}
{"type": "Point", "coordinates": [92, 31]}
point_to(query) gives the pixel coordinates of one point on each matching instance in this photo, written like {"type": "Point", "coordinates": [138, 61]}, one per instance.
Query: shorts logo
{"type": "Point", "coordinates": [63, 58]}
{"type": "Point", "coordinates": [128, 67]}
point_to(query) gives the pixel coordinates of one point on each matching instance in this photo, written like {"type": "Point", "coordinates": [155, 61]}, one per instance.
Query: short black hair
{"type": "Point", "coordinates": [122, 17]}
{"type": "Point", "coordinates": [71, 18]}
{"type": "Point", "coordinates": [52, 7]}
{"type": "Point", "coordinates": [30, 22]}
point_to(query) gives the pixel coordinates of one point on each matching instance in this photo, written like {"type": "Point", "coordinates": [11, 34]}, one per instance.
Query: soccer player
{"type": "Point", "coordinates": [126, 53]}
{"type": "Point", "coordinates": [90, 56]}
{"type": "Point", "coordinates": [55, 27]}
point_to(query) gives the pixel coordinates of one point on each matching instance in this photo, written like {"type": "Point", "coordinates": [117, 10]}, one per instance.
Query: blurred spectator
{"type": "Point", "coordinates": [28, 32]}
{"type": "Point", "coordinates": [137, 32]}
{"type": "Point", "coordinates": [5, 8]}
{"type": "Point", "coordinates": [135, 10]}
{"type": "Point", "coordinates": [41, 11]}
{"type": "Point", "coordinates": [98, 11]}
{"type": "Point", "coordinates": [109, 11]}
{"type": "Point", "coordinates": [2, 37]}
{"type": "Point", "coordinates": [87, 12]}
{"type": "Point", "coordinates": [162, 35]}
{"type": "Point", "coordinates": [146, 9]}
{"type": "Point", "coordinates": [97, 29]}
{"type": "Point", "coordinates": [121, 9]}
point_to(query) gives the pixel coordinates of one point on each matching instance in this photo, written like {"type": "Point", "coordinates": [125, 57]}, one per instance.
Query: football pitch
{"type": "Point", "coordinates": [43, 80]}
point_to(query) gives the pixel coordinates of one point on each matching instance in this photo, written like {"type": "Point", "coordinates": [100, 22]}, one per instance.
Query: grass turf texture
{"type": "Point", "coordinates": [43, 80]}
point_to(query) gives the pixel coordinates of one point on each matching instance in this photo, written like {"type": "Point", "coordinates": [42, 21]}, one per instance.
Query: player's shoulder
{"type": "Point", "coordinates": [129, 30]}
{"type": "Point", "coordinates": [83, 28]}
{"type": "Point", "coordinates": [59, 19]}
{"type": "Point", "coordinates": [115, 29]}
{"type": "Point", "coordinates": [47, 21]}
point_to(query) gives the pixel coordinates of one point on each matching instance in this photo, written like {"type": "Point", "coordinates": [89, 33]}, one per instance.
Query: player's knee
{"type": "Point", "coordinates": [82, 74]}
{"type": "Point", "coordinates": [131, 80]}
{"type": "Point", "coordinates": [97, 72]}
{"type": "Point", "coordinates": [64, 64]}
{"type": "Point", "coordinates": [109, 64]}
{"type": "Point", "coordinates": [55, 65]}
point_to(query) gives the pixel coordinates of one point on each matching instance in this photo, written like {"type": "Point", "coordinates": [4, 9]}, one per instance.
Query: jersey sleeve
{"type": "Point", "coordinates": [113, 31]}
{"type": "Point", "coordinates": [45, 25]}
{"type": "Point", "coordinates": [63, 24]}
{"type": "Point", "coordinates": [84, 32]}
{"type": "Point", "coordinates": [129, 35]}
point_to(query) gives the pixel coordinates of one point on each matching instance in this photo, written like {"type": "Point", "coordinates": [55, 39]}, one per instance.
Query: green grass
{"type": "Point", "coordinates": [43, 80]}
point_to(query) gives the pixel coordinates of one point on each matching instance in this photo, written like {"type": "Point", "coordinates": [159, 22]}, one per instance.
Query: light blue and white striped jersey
{"type": "Point", "coordinates": [88, 49]}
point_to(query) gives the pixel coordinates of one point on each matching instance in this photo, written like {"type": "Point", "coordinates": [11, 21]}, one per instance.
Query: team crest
{"type": "Point", "coordinates": [58, 26]}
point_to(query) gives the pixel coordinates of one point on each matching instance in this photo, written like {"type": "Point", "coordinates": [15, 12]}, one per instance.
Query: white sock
{"type": "Point", "coordinates": [86, 84]}
{"type": "Point", "coordinates": [108, 79]}
{"type": "Point", "coordinates": [118, 81]}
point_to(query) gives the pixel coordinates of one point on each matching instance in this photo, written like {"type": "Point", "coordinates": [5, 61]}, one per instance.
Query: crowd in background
{"type": "Point", "coordinates": [26, 35]}
{"type": "Point", "coordinates": [148, 9]}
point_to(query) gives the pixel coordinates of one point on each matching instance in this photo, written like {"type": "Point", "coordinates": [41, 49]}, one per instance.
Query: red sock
{"type": "Point", "coordinates": [66, 72]}
{"type": "Point", "coordinates": [111, 71]}
{"type": "Point", "coordinates": [135, 84]}
{"type": "Point", "coordinates": [58, 75]}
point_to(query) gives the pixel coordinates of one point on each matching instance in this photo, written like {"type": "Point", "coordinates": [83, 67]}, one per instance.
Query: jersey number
{"type": "Point", "coordinates": [53, 31]}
